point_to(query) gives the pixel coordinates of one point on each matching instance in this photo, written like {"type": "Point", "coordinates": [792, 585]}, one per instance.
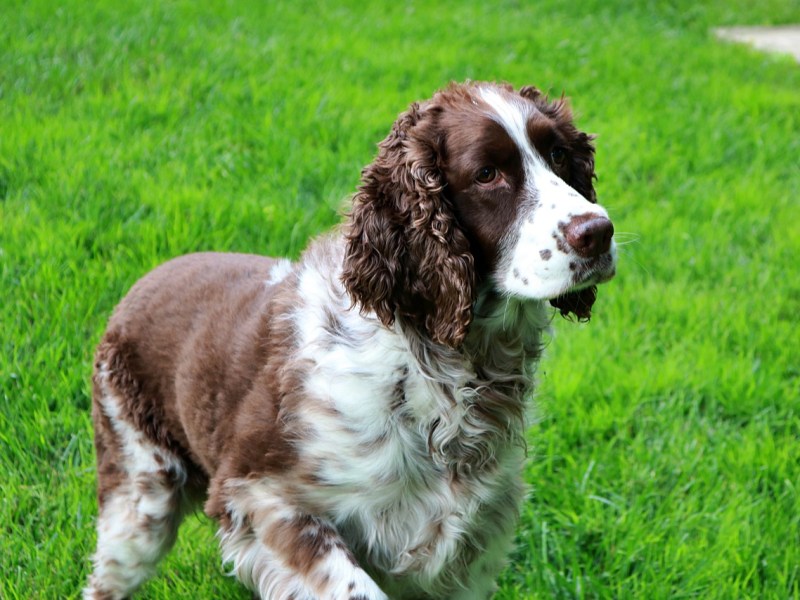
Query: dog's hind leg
{"type": "Point", "coordinates": [140, 494]}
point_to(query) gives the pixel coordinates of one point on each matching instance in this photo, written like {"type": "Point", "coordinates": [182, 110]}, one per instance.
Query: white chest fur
{"type": "Point", "coordinates": [376, 425]}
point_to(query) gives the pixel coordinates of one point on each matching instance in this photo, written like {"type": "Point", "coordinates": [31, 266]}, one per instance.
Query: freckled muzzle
{"type": "Point", "coordinates": [566, 248]}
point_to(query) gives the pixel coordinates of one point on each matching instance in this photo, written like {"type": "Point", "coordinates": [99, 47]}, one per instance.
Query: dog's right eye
{"type": "Point", "coordinates": [486, 175]}
{"type": "Point", "coordinates": [557, 155]}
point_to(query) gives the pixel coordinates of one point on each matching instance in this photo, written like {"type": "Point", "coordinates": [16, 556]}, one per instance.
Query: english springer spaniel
{"type": "Point", "coordinates": [355, 420]}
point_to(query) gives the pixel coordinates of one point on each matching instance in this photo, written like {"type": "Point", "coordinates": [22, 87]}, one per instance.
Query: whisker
{"type": "Point", "coordinates": [631, 257]}
{"type": "Point", "coordinates": [626, 237]}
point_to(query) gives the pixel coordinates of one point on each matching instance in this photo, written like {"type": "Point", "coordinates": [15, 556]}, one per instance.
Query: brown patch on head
{"type": "Point", "coordinates": [473, 140]}
{"type": "Point", "coordinates": [544, 135]}
{"type": "Point", "coordinates": [553, 130]}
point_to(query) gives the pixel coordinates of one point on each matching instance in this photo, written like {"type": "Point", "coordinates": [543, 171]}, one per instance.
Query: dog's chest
{"type": "Point", "coordinates": [392, 446]}
{"type": "Point", "coordinates": [366, 416]}
{"type": "Point", "coordinates": [365, 430]}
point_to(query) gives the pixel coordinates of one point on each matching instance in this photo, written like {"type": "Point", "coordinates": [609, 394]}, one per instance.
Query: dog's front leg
{"type": "Point", "coordinates": [284, 553]}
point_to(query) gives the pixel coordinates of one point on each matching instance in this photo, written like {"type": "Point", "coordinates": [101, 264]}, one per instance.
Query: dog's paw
{"type": "Point", "coordinates": [361, 587]}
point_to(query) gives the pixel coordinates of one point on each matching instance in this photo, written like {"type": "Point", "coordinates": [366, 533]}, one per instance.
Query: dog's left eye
{"type": "Point", "coordinates": [486, 175]}
{"type": "Point", "coordinates": [557, 155]}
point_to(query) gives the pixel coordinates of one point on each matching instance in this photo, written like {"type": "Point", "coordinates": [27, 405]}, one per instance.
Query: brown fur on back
{"type": "Point", "coordinates": [190, 347]}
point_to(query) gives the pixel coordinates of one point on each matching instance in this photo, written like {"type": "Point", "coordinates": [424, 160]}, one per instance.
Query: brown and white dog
{"type": "Point", "coordinates": [356, 420]}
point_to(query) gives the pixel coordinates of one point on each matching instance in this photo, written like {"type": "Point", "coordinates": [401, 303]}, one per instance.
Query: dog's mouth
{"type": "Point", "coordinates": [587, 274]}
{"type": "Point", "coordinates": [594, 271]}
{"type": "Point", "coordinates": [578, 303]}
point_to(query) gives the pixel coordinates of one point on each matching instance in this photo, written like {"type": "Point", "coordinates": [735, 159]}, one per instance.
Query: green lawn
{"type": "Point", "coordinates": [666, 462]}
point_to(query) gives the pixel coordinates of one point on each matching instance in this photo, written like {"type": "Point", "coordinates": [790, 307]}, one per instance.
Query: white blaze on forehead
{"type": "Point", "coordinates": [513, 115]}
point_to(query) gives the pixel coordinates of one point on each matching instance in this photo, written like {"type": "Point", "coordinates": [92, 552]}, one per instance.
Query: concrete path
{"type": "Point", "coordinates": [784, 39]}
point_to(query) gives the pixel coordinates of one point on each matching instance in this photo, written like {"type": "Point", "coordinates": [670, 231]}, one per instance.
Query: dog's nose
{"type": "Point", "coordinates": [589, 234]}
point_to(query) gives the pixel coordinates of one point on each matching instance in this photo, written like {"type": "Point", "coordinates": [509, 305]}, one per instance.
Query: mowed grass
{"type": "Point", "coordinates": [666, 459]}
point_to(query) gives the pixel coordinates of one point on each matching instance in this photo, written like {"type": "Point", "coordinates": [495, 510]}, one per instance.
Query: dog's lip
{"type": "Point", "coordinates": [591, 271]}
{"type": "Point", "coordinates": [607, 275]}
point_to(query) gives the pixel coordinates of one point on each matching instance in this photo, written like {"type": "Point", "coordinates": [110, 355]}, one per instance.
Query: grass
{"type": "Point", "coordinates": [666, 463]}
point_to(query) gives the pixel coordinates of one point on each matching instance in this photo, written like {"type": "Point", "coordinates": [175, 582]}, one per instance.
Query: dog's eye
{"type": "Point", "coordinates": [557, 155]}
{"type": "Point", "coordinates": [486, 175]}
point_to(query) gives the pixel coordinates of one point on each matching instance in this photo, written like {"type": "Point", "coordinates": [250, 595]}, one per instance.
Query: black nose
{"type": "Point", "coordinates": [589, 234]}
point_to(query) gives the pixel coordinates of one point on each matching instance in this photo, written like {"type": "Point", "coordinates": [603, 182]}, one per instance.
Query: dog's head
{"type": "Point", "coordinates": [481, 185]}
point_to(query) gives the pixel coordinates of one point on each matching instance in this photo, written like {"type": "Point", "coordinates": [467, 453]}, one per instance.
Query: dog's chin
{"type": "Point", "coordinates": [580, 298]}
{"type": "Point", "coordinates": [576, 300]}
{"type": "Point", "coordinates": [578, 303]}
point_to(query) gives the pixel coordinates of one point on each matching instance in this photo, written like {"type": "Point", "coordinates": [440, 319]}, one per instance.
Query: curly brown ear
{"type": "Point", "coordinates": [405, 255]}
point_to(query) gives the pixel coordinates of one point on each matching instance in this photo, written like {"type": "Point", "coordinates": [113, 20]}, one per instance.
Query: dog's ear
{"type": "Point", "coordinates": [581, 173]}
{"type": "Point", "coordinates": [406, 256]}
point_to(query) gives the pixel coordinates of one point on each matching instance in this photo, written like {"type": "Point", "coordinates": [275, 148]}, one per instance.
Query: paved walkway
{"type": "Point", "coordinates": [784, 39]}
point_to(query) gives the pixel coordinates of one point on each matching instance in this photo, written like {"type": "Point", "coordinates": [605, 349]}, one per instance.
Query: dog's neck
{"type": "Point", "coordinates": [504, 327]}
{"type": "Point", "coordinates": [484, 385]}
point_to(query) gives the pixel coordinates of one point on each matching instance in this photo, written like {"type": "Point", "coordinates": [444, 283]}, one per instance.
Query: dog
{"type": "Point", "coordinates": [355, 420]}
